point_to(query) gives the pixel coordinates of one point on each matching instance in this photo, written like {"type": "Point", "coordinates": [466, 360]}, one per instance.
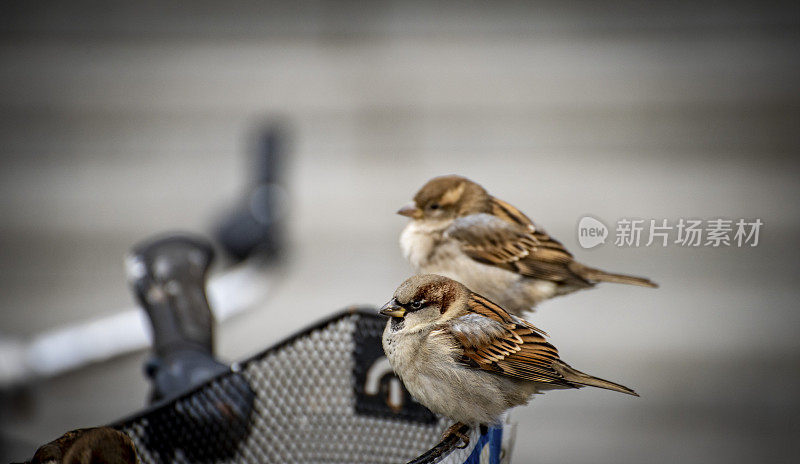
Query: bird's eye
{"type": "Point", "coordinates": [416, 304]}
{"type": "Point", "coordinates": [434, 206]}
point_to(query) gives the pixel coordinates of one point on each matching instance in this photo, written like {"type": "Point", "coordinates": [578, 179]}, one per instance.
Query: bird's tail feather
{"type": "Point", "coordinates": [596, 275]}
{"type": "Point", "coordinates": [575, 376]}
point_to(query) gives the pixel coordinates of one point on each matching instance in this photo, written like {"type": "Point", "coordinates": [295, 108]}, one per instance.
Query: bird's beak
{"type": "Point", "coordinates": [410, 210]}
{"type": "Point", "coordinates": [392, 308]}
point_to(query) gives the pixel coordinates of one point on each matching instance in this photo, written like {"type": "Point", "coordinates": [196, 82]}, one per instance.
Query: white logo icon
{"type": "Point", "coordinates": [591, 232]}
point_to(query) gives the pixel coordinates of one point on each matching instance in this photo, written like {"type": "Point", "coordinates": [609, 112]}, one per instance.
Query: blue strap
{"type": "Point", "coordinates": [495, 441]}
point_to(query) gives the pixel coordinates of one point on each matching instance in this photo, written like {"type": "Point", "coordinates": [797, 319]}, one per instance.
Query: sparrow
{"type": "Point", "coordinates": [97, 445]}
{"type": "Point", "coordinates": [466, 358]}
{"type": "Point", "coordinates": [459, 230]}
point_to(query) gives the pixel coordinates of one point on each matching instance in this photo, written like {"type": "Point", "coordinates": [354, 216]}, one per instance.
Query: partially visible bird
{"type": "Point", "coordinates": [466, 358]}
{"type": "Point", "coordinates": [459, 230]}
{"type": "Point", "coordinates": [96, 445]}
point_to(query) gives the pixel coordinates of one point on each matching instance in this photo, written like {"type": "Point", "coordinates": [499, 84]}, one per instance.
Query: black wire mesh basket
{"type": "Point", "coordinates": [324, 395]}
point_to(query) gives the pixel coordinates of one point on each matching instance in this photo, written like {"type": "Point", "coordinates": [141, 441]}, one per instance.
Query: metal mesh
{"type": "Point", "coordinates": [319, 396]}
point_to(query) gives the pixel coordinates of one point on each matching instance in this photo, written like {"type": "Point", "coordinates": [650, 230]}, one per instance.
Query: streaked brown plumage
{"type": "Point", "coordinates": [465, 357]}
{"type": "Point", "coordinates": [460, 231]}
{"type": "Point", "coordinates": [96, 445]}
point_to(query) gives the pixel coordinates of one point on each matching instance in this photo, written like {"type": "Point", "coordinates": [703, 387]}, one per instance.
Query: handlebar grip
{"type": "Point", "coordinates": [168, 275]}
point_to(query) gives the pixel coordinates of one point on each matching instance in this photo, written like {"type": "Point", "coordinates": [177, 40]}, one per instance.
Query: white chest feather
{"type": "Point", "coordinates": [418, 242]}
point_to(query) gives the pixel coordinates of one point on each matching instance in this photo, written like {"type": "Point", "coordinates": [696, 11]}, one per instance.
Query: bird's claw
{"type": "Point", "coordinates": [455, 431]}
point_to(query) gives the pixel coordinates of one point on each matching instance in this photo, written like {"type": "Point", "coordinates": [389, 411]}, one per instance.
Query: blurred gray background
{"type": "Point", "coordinates": [119, 121]}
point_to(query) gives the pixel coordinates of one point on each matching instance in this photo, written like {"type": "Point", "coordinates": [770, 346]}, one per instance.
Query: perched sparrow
{"type": "Point", "coordinates": [460, 231]}
{"type": "Point", "coordinates": [466, 358]}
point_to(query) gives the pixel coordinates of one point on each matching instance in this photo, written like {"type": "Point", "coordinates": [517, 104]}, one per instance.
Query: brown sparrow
{"type": "Point", "coordinates": [460, 231]}
{"type": "Point", "coordinates": [97, 445]}
{"type": "Point", "coordinates": [466, 358]}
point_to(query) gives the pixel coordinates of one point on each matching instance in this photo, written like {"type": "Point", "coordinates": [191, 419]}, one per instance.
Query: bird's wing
{"type": "Point", "coordinates": [509, 213]}
{"type": "Point", "coordinates": [495, 341]}
{"type": "Point", "coordinates": [489, 239]}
